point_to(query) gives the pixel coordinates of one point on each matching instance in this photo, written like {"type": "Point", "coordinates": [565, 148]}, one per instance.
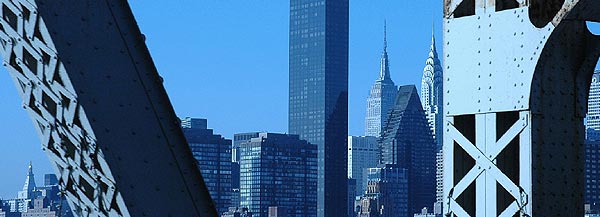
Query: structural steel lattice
{"type": "Point", "coordinates": [516, 81]}
{"type": "Point", "coordinates": [88, 82]}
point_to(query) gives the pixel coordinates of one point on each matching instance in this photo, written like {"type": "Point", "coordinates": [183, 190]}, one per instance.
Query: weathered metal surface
{"type": "Point", "coordinates": [516, 79]}
{"type": "Point", "coordinates": [104, 119]}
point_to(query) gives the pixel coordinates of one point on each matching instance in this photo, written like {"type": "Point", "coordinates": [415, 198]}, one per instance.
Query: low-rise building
{"type": "Point", "coordinates": [279, 170]}
{"type": "Point", "coordinates": [41, 208]}
{"type": "Point", "coordinates": [386, 194]}
{"type": "Point", "coordinates": [213, 154]}
{"type": "Point", "coordinates": [237, 212]}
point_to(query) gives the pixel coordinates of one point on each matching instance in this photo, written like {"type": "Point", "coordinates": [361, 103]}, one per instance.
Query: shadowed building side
{"type": "Point", "coordinates": [407, 142]}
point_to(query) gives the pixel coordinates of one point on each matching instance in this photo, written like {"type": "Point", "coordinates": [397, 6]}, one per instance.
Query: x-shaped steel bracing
{"type": "Point", "coordinates": [485, 174]}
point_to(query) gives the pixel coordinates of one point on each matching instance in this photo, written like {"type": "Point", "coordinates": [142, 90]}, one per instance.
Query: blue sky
{"type": "Point", "coordinates": [227, 61]}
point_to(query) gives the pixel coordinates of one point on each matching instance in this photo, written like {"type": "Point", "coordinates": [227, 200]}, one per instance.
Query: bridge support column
{"type": "Point", "coordinates": [516, 79]}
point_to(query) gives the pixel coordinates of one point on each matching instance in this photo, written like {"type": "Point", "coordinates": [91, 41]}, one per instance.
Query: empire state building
{"type": "Point", "coordinates": [382, 96]}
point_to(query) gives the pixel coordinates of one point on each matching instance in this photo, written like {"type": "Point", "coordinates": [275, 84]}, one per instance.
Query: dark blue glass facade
{"type": "Point", "coordinates": [592, 176]}
{"type": "Point", "coordinates": [318, 94]}
{"type": "Point", "coordinates": [278, 170]}
{"type": "Point", "coordinates": [389, 187]}
{"type": "Point", "coordinates": [213, 154]}
{"type": "Point", "coordinates": [407, 142]}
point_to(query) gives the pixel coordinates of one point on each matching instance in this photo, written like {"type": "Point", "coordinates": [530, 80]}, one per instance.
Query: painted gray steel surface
{"type": "Point", "coordinates": [98, 104]}
{"type": "Point", "coordinates": [516, 81]}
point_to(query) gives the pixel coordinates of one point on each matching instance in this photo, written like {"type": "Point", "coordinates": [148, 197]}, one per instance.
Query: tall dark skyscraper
{"type": "Point", "coordinates": [406, 141]}
{"type": "Point", "coordinates": [318, 103]}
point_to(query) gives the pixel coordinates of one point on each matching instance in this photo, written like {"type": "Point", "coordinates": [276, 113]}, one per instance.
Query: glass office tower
{"type": "Point", "coordinates": [318, 97]}
{"type": "Point", "coordinates": [278, 170]}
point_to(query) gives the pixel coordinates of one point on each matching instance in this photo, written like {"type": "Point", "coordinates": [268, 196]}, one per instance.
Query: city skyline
{"type": "Point", "coordinates": [19, 126]}
{"type": "Point", "coordinates": [23, 144]}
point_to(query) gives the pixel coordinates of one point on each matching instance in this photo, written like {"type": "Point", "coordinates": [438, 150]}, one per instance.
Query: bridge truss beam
{"type": "Point", "coordinates": [104, 118]}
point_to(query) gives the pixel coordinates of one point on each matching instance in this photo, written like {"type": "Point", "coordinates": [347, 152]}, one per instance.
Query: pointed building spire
{"type": "Point", "coordinates": [385, 36]}
{"type": "Point", "coordinates": [384, 73]}
{"type": "Point", "coordinates": [29, 186]}
{"type": "Point", "coordinates": [30, 169]}
{"type": "Point", "coordinates": [433, 37]}
{"type": "Point", "coordinates": [431, 89]}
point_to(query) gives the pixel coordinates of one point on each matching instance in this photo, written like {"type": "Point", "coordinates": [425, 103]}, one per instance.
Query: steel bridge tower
{"type": "Point", "coordinates": [516, 81]}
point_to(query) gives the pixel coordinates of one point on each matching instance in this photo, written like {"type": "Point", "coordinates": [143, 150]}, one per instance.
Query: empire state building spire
{"type": "Point", "coordinates": [384, 73]}
{"type": "Point", "coordinates": [382, 96]}
{"type": "Point", "coordinates": [385, 36]}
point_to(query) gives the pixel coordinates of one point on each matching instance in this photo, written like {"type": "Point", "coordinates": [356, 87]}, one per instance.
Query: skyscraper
{"type": "Point", "coordinates": [363, 153]}
{"type": "Point", "coordinates": [592, 146]}
{"type": "Point", "coordinates": [592, 119]}
{"type": "Point", "coordinates": [382, 96]}
{"type": "Point", "coordinates": [439, 183]}
{"type": "Point", "coordinates": [213, 154]}
{"type": "Point", "coordinates": [318, 94]}
{"type": "Point", "coordinates": [432, 93]}
{"type": "Point", "coordinates": [279, 170]}
{"type": "Point", "coordinates": [351, 195]}
{"type": "Point", "coordinates": [592, 176]}
{"type": "Point", "coordinates": [432, 101]}
{"type": "Point", "coordinates": [406, 141]}
{"type": "Point", "coordinates": [29, 186]}
{"type": "Point", "coordinates": [238, 139]}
